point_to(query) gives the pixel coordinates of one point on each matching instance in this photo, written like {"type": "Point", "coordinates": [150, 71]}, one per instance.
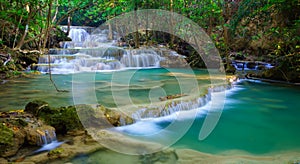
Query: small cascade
{"type": "Point", "coordinates": [141, 58]}
{"type": "Point", "coordinates": [78, 35]}
{"type": "Point", "coordinates": [47, 141]}
{"type": "Point", "coordinates": [251, 66]}
{"type": "Point", "coordinates": [46, 137]}
{"type": "Point", "coordinates": [171, 108]}
{"type": "Point", "coordinates": [174, 107]}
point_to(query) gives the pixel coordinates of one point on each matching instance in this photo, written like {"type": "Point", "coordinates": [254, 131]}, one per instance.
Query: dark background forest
{"type": "Point", "coordinates": [267, 30]}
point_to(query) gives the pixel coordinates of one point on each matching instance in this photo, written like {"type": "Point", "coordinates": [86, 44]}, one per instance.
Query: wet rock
{"type": "Point", "coordinates": [116, 118]}
{"type": "Point", "coordinates": [168, 97]}
{"type": "Point", "coordinates": [92, 117]}
{"type": "Point", "coordinates": [19, 128]}
{"type": "Point", "coordinates": [166, 156]}
{"type": "Point", "coordinates": [230, 69]}
{"type": "Point", "coordinates": [174, 62]}
{"type": "Point", "coordinates": [34, 134]}
{"type": "Point", "coordinates": [57, 153]}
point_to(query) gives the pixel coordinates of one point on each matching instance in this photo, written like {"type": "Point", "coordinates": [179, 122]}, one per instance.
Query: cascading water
{"type": "Point", "coordinates": [141, 58]}
{"type": "Point", "coordinates": [251, 66]}
{"type": "Point", "coordinates": [94, 52]}
{"type": "Point", "coordinates": [173, 107]}
{"type": "Point", "coordinates": [46, 137]}
{"type": "Point", "coordinates": [78, 35]}
{"type": "Point", "coordinates": [47, 140]}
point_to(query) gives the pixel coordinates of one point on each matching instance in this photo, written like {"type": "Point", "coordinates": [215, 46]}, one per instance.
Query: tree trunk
{"type": "Point", "coordinates": [147, 24]}
{"type": "Point", "coordinates": [136, 38]}
{"type": "Point", "coordinates": [21, 42]}
{"type": "Point", "coordinates": [48, 25]}
{"type": "Point", "coordinates": [56, 12]}
{"type": "Point", "coordinates": [110, 32]}
{"type": "Point", "coordinates": [17, 32]}
{"type": "Point", "coordinates": [69, 24]}
{"type": "Point", "coordinates": [171, 25]}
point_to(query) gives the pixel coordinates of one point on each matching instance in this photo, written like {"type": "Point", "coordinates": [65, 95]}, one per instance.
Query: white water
{"type": "Point", "coordinates": [148, 124]}
{"type": "Point", "coordinates": [78, 35]}
{"type": "Point", "coordinates": [48, 141]}
{"type": "Point", "coordinates": [47, 137]}
{"type": "Point", "coordinates": [94, 52]}
{"type": "Point", "coordinates": [245, 66]}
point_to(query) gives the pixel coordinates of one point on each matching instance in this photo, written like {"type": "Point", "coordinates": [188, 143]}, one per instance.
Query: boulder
{"type": "Point", "coordinates": [36, 106]}
{"type": "Point", "coordinates": [35, 134]}
{"type": "Point", "coordinates": [18, 128]}
{"type": "Point", "coordinates": [11, 140]}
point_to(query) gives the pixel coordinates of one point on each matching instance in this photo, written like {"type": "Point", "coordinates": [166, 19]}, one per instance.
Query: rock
{"type": "Point", "coordinates": [76, 132]}
{"type": "Point", "coordinates": [3, 161]}
{"type": "Point", "coordinates": [92, 117]}
{"type": "Point", "coordinates": [56, 153]}
{"type": "Point", "coordinates": [174, 62]}
{"type": "Point", "coordinates": [230, 69]}
{"type": "Point", "coordinates": [165, 156]}
{"type": "Point", "coordinates": [115, 118]}
{"type": "Point", "coordinates": [36, 106]}
{"type": "Point", "coordinates": [168, 97]}
{"type": "Point", "coordinates": [35, 133]}
{"type": "Point", "coordinates": [18, 128]}
{"type": "Point", "coordinates": [15, 139]}
{"type": "Point", "coordinates": [62, 119]}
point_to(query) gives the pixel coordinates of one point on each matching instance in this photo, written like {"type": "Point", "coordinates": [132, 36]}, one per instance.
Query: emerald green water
{"type": "Point", "coordinates": [15, 94]}
{"type": "Point", "coordinates": [257, 118]}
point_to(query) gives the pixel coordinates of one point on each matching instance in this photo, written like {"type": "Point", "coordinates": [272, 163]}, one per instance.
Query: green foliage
{"type": "Point", "coordinates": [223, 20]}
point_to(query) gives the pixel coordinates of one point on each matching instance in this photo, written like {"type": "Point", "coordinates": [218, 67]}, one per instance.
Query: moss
{"type": "Point", "coordinates": [6, 135]}
{"type": "Point", "coordinates": [55, 152]}
{"type": "Point", "coordinates": [62, 119]}
{"type": "Point", "coordinates": [35, 107]}
{"type": "Point", "coordinates": [22, 122]}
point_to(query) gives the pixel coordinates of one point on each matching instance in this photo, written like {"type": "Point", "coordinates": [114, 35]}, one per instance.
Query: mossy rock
{"type": "Point", "coordinates": [56, 151]}
{"type": "Point", "coordinates": [92, 117]}
{"type": "Point", "coordinates": [230, 69]}
{"type": "Point", "coordinates": [62, 119]}
{"type": "Point", "coordinates": [36, 106]}
{"type": "Point", "coordinates": [6, 135]}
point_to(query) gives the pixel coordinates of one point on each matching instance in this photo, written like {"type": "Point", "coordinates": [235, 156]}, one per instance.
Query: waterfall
{"type": "Point", "coordinates": [141, 58]}
{"type": "Point", "coordinates": [251, 66]}
{"type": "Point", "coordinates": [46, 137]}
{"type": "Point", "coordinates": [87, 60]}
{"type": "Point", "coordinates": [78, 34]}
{"type": "Point", "coordinates": [48, 141]}
{"type": "Point", "coordinates": [94, 52]}
{"type": "Point", "coordinates": [174, 107]}
{"type": "Point", "coordinates": [171, 108]}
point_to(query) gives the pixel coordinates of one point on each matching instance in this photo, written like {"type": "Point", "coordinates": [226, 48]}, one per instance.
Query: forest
{"type": "Point", "coordinates": [267, 30]}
